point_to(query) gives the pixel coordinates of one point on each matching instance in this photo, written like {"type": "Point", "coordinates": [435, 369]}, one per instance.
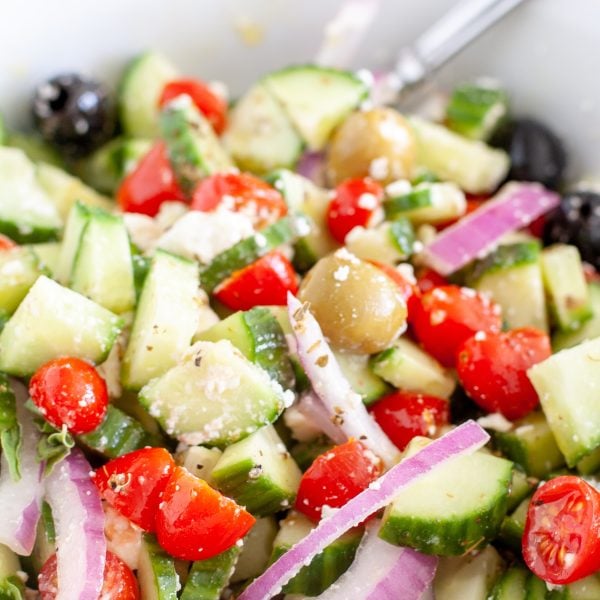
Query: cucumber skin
{"type": "Point", "coordinates": [207, 578]}
{"type": "Point", "coordinates": [165, 579]}
{"type": "Point", "coordinates": [504, 257]}
{"type": "Point", "coordinates": [33, 235]}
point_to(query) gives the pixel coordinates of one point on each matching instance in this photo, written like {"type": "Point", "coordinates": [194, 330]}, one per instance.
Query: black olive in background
{"type": "Point", "coordinates": [74, 114]}
{"type": "Point", "coordinates": [536, 153]}
{"type": "Point", "coordinates": [576, 221]}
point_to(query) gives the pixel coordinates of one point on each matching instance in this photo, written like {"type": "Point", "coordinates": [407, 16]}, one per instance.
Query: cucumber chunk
{"type": "Point", "coordinates": [139, 93]}
{"type": "Point", "coordinates": [407, 367]}
{"type": "Point", "coordinates": [259, 135]}
{"type": "Point", "coordinates": [316, 99]}
{"type": "Point", "coordinates": [194, 149]}
{"type": "Point", "coordinates": [156, 572]}
{"type": "Point", "coordinates": [54, 321]}
{"type": "Point", "coordinates": [589, 464]}
{"type": "Point", "coordinates": [567, 384]}
{"type": "Point", "coordinates": [9, 562]}
{"type": "Point", "coordinates": [511, 585]}
{"type": "Point", "coordinates": [584, 589]}
{"type": "Point", "coordinates": [165, 321]}
{"type": "Point", "coordinates": [254, 556]}
{"type": "Point", "coordinates": [19, 269]}
{"type": "Point", "coordinates": [36, 149]}
{"type": "Point", "coordinates": [361, 377]}
{"type": "Point", "coordinates": [200, 461]}
{"type": "Point", "coordinates": [207, 578]}
{"type": "Point", "coordinates": [390, 242]}
{"type": "Point", "coordinates": [454, 509]}
{"type": "Point", "coordinates": [76, 223]}
{"type": "Point", "coordinates": [47, 254]}
{"type": "Point", "coordinates": [521, 486]}
{"type": "Point", "coordinates": [214, 396]}
{"type": "Point", "coordinates": [513, 526]}
{"type": "Point", "coordinates": [588, 330]}
{"type": "Point", "coordinates": [258, 473]}
{"type": "Point", "coordinates": [26, 212]}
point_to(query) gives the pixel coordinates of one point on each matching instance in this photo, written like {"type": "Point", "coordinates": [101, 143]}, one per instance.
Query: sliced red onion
{"type": "Point", "coordinates": [343, 405]}
{"type": "Point", "coordinates": [382, 571]}
{"type": "Point", "coordinates": [20, 501]}
{"type": "Point", "coordinates": [314, 410]}
{"type": "Point", "coordinates": [465, 439]}
{"type": "Point", "coordinates": [311, 165]}
{"type": "Point", "coordinates": [515, 206]}
{"type": "Point", "coordinates": [79, 522]}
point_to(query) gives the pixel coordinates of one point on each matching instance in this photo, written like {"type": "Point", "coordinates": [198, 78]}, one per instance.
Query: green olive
{"type": "Point", "coordinates": [376, 142]}
{"type": "Point", "coordinates": [358, 307]}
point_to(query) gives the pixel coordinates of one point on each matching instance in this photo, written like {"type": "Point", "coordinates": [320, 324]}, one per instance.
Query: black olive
{"type": "Point", "coordinates": [576, 221]}
{"type": "Point", "coordinates": [536, 153]}
{"type": "Point", "coordinates": [75, 114]}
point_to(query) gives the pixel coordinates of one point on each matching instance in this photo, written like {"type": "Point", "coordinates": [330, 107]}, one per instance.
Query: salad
{"type": "Point", "coordinates": [294, 345]}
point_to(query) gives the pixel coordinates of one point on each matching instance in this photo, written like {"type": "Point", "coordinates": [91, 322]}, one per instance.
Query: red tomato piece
{"type": "Point", "coordinates": [119, 581]}
{"type": "Point", "coordinates": [335, 477]}
{"type": "Point", "coordinates": [449, 315]}
{"type": "Point", "coordinates": [427, 279]}
{"type": "Point", "coordinates": [409, 290]}
{"type": "Point", "coordinates": [69, 391]}
{"type": "Point", "coordinates": [6, 243]}
{"type": "Point", "coordinates": [211, 105]}
{"type": "Point", "coordinates": [150, 184]}
{"type": "Point", "coordinates": [561, 541]}
{"type": "Point", "coordinates": [404, 415]}
{"type": "Point", "coordinates": [265, 282]}
{"type": "Point", "coordinates": [492, 368]}
{"type": "Point", "coordinates": [133, 484]}
{"type": "Point", "coordinates": [354, 203]}
{"type": "Point", "coordinates": [240, 192]}
{"type": "Point", "coordinates": [195, 521]}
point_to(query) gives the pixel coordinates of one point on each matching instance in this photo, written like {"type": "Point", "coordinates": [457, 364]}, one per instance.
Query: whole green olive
{"type": "Point", "coordinates": [358, 307]}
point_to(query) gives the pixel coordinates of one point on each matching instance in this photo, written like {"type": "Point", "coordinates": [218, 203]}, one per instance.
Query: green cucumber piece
{"type": "Point", "coordinates": [536, 589]}
{"type": "Point", "coordinates": [259, 473]}
{"type": "Point", "coordinates": [10, 428]}
{"type": "Point", "coordinates": [256, 333]}
{"type": "Point", "coordinates": [9, 562]}
{"type": "Point", "coordinates": [102, 267]}
{"type": "Point", "coordinates": [475, 167]}
{"type": "Point", "coordinates": [45, 540]}
{"type": "Point", "coordinates": [454, 509]}
{"type": "Point", "coordinates": [208, 578]}
{"type": "Point", "coordinates": [214, 396]}
{"type": "Point", "coordinates": [36, 149]}
{"type": "Point", "coordinates": [589, 464]}
{"type": "Point", "coordinates": [250, 249]}
{"type": "Point", "coordinates": [584, 589]}
{"type": "Point", "coordinates": [511, 585]}
{"type": "Point", "coordinates": [513, 526]}
{"type": "Point", "coordinates": [304, 453]}
{"type": "Point", "coordinates": [47, 254]}
{"type": "Point", "coordinates": [326, 567]}
{"type": "Point", "coordinates": [26, 212]}
{"type": "Point", "coordinates": [316, 99]}
{"type": "Point", "coordinates": [588, 330]}
{"type": "Point", "coordinates": [567, 384]}
{"type": "Point", "coordinates": [255, 553]}
{"type": "Point", "coordinates": [200, 461]}
{"type": "Point", "coordinates": [476, 111]}
{"type": "Point", "coordinates": [156, 572]}
{"type": "Point", "coordinates": [469, 577]}
{"type": "Point", "coordinates": [566, 286]}
{"type": "Point", "coordinates": [259, 135]}
{"type": "Point", "coordinates": [521, 486]}
{"type": "Point", "coordinates": [407, 367]}
{"type": "Point", "coordinates": [531, 444]}
{"type": "Point", "coordinates": [360, 376]}
{"type": "Point", "coordinates": [3, 133]}
{"type": "Point", "coordinates": [54, 321]}
{"type": "Point", "coordinates": [390, 242]}
{"type": "Point", "coordinates": [77, 221]}
{"type": "Point", "coordinates": [19, 269]}
{"type": "Point", "coordinates": [193, 147]}
{"type": "Point", "coordinates": [165, 321]}
{"type": "Point", "coordinates": [139, 93]}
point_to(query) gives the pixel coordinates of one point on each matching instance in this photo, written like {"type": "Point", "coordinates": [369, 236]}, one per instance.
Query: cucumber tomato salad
{"type": "Point", "coordinates": [295, 344]}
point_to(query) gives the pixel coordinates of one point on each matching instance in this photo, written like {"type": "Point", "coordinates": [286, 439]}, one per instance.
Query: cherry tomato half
{"type": "Point", "coordinates": [6, 243]}
{"type": "Point", "coordinates": [240, 192]}
{"type": "Point", "coordinates": [119, 581]}
{"type": "Point", "coordinates": [448, 315]}
{"type": "Point", "coordinates": [265, 282]}
{"type": "Point", "coordinates": [354, 203]}
{"type": "Point", "coordinates": [211, 105]}
{"type": "Point", "coordinates": [492, 368]}
{"type": "Point", "coordinates": [133, 484]}
{"type": "Point", "coordinates": [405, 415]}
{"type": "Point", "coordinates": [195, 521]}
{"type": "Point", "coordinates": [335, 477]}
{"type": "Point", "coordinates": [561, 541]}
{"type": "Point", "coordinates": [69, 391]}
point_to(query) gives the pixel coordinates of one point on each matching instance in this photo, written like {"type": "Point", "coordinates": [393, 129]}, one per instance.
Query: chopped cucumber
{"type": "Point", "coordinates": [476, 111]}
{"type": "Point", "coordinates": [259, 473]}
{"type": "Point", "coordinates": [511, 585]}
{"type": "Point", "coordinates": [27, 214]}
{"type": "Point", "coordinates": [584, 589]}
{"type": "Point", "coordinates": [36, 149]}
{"type": "Point", "coordinates": [475, 167]}
{"type": "Point", "coordinates": [207, 578]}
{"type": "Point", "coordinates": [589, 464]}
{"type": "Point", "coordinates": [9, 562]}
{"type": "Point", "coordinates": [256, 333]}
{"type": "Point", "coordinates": [567, 384]}
{"type": "Point", "coordinates": [259, 135]}
{"type": "Point", "coordinates": [361, 377]}
{"type": "Point", "coordinates": [316, 99]}
{"type": "Point", "coordinates": [590, 329]}
{"type": "Point", "coordinates": [156, 572]}
{"type": "Point", "coordinates": [513, 526]}
{"type": "Point", "coordinates": [77, 221]}
{"type": "Point", "coordinates": [3, 133]}
{"type": "Point", "coordinates": [19, 269]}
{"type": "Point", "coordinates": [254, 557]}
{"type": "Point", "coordinates": [139, 94]}
{"type": "Point", "coordinates": [566, 286]}
{"type": "Point", "coordinates": [531, 445]}
{"type": "Point", "coordinates": [390, 242]}
{"type": "Point", "coordinates": [521, 486]}
{"type": "Point", "coordinates": [214, 396]}
{"type": "Point", "coordinates": [194, 149]}
{"type": "Point", "coordinates": [200, 461]}
{"type": "Point", "coordinates": [48, 254]}
{"type": "Point", "coordinates": [165, 321]}
{"type": "Point", "coordinates": [407, 367]}
{"type": "Point", "coordinates": [54, 321]}
{"type": "Point", "coordinates": [453, 509]}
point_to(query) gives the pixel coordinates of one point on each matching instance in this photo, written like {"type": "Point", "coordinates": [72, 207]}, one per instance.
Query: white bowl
{"type": "Point", "coordinates": [546, 52]}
